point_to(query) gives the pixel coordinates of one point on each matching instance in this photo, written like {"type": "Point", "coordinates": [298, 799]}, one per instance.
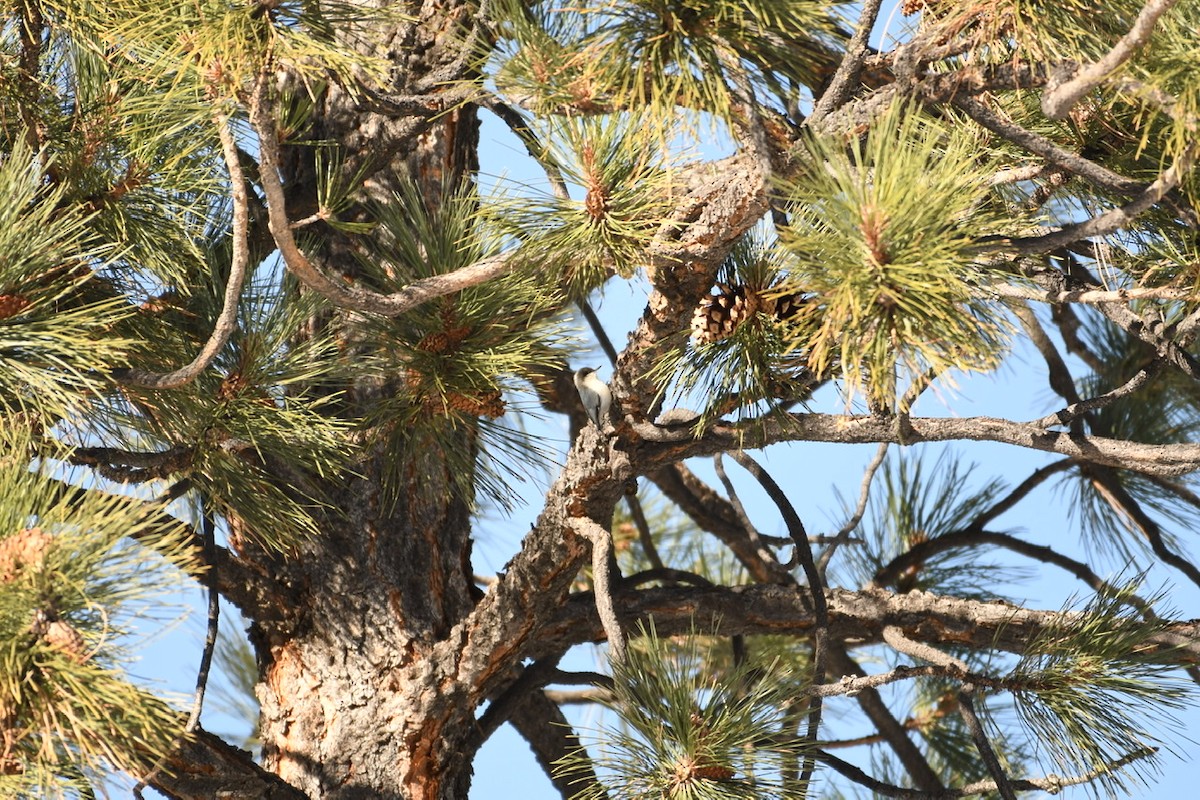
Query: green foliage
{"type": "Point", "coordinates": [452, 360]}
{"type": "Point", "coordinates": [1091, 697]}
{"type": "Point", "coordinates": [657, 55]}
{"type": "Point", "coordinates": [1168, 65]}
{"type": "Point", "coordinates": [218, 47]}
{"type": "Point", "coordinates": [55, 332]}
{"type": "Point", "coordinates": [257, 411]}
{"type": "Point", "coordinates": [74, 574]}
{"type": "Point", "coordinates": [883, 233]}
{"type": "Point", "coordinates": [1037, 30]}
{"type": "Point", "coordinates": [620, 167]}
{"type": "Point", "coordinates": [691, 732]}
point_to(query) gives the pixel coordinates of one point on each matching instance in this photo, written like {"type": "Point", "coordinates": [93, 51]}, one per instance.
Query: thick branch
{"type": "Point", "coordinates": [206, 766]}
{"type": "Point", "coordinates": [1057, 101]}
{"type": "Point", "coordinates": [664, 445]}
{"type": "Point", "coordinates": [854, 616]}
{"type": "Point", "coordinates": [846, 78]}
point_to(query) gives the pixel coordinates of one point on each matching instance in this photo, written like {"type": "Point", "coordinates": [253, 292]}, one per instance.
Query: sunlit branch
{"type": "Point", "coordinates": [846, 77]}
{"type": "Point", "coordinates": [1156, 459]}
{"type": "Point", "coordinates": [1036, 143]}
{"type": "Point", "coordinates": [1090, 296]}
{"type": "Point", "coordinates": [1058, 100]}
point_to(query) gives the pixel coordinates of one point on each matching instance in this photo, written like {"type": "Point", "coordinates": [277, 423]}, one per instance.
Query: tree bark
{"type": "Point", "coordinates": [346, 688]}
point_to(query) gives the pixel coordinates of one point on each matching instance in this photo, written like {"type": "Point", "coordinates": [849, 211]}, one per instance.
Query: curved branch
{"type": "Point", "coordinates": [816, 588]}
{"type": "Point", "coordinates": [262, 120]}
{"type": "Point", "coordinates": [238, 267]}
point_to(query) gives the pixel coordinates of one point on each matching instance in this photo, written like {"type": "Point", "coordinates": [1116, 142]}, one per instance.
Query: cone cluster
{"type": "Point", "coordinates": [718, 316]}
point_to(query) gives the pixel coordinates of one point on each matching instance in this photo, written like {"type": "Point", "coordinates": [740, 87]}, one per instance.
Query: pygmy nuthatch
{"type": "Point", "coordinates": [595, 395]}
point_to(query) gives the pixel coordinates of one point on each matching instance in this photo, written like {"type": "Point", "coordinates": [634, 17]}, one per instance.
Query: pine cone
{"type": "Point", "coordinates": [485, 404]}
{"type": "Point", "coordinates": [25, 549]}
{"type": "Point", "coordinates": [12, 304]}
{"type": "Point", "coordinates": [436, 342]}
{"type": "Point", "coordinates": [719, 315]}
{"type": "Point", "coordinates": [65, 637]}
{"type": "Point", "coordinates": [784, 307]}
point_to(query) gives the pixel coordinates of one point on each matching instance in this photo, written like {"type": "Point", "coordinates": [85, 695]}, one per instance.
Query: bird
{"type": "Point", "coordinates": [594, 394]}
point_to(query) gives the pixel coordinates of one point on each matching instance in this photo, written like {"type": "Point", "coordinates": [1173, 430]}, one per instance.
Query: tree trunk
{"type": "Point", "coordinates": [365, 603]}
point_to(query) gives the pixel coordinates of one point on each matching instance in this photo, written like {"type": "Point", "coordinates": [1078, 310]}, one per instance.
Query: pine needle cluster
{"type": "Point", "coordinates": [918, 501]}
{"type": "Point", "coordinates": [1090, 697]}
{"type": "Point", "coordinates": [884, 231]}
{"type": "Point", "coordinates": [692, 734]}
{"type": "Point", "coordinates": [660, 55]}
{"type": "Point", "coordinates": [621, 174]}
{"type": "Point", "coordinates": [453, 362]}
{"type": "Point", "coordinates": [74, 573]}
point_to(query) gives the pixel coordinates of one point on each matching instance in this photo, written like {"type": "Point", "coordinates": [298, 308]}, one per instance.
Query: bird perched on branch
{"type": "Point", "coordinates": [595, 395]}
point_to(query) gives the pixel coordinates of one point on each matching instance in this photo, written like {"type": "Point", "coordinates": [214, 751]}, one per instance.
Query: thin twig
{"type": "Point", "coordinates": [1021, 490]}
{"type": "Point", "coordinates": [966, 706]}
{"type": "Point", "coordinates": [970, 537]}
{"type": "Point", "coordinates": [1052, 784]}
{"type": "Point", "coordinates": [1113, 491]}
{"type": "Point", "coordinates": [536, 150]}
{"type": "Point", "coordinates": [208, 526]}
{"type": "Point", "coordinates": [1058, 373]}
{"type": "Point", "coordinates": [864, 494]}
{"type": "Point", "coordinates": [1058, 100]}
{"type": "Point", "coordinates": [739, 509]}
{"type": "Point", "coordinates": [238, 267]}
{"type": "Point", "coordinates": [1074, 411]}
{"type": "Point", "coordinates": [816, 588]}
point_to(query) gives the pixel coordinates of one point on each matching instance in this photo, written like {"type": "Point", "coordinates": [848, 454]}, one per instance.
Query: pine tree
{"type": "Point", "coordinates": [265, 329]}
